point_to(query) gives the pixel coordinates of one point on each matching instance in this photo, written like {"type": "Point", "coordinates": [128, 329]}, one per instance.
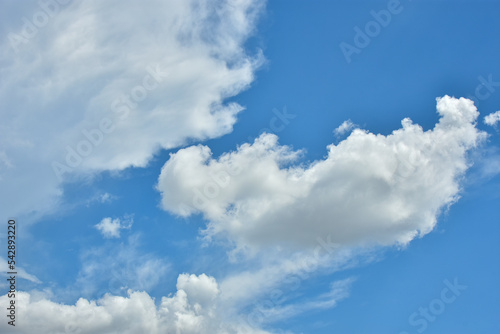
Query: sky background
{"type": "Point", "coordinates": [123, 222]}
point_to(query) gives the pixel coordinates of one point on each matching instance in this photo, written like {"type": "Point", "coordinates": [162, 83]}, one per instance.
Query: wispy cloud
{"type": "Point", "coordinates": [116, 267]}
{"type": "Point", "coordinates": [21, 272]}
{"type": "Point", "coordinates": [101, 198]}
{"type": "Point", "coordinates": [345, 127]}
{"type": "Point", "coordinates": [339, 290]}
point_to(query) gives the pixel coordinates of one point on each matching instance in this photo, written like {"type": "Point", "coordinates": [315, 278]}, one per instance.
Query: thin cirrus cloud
{"type": "Point", "coordinates": [370, 189]}
{"type": "Point", "coordinates": [4, 267]}
{"type": "Point", "coordinates": [115, 268]}
{"type": "Point", "coordinates": [345, 127]}
{"type": "Point", "coordinates": [338, 291]}
{"type": "Point", "coordinates": [98, 88]}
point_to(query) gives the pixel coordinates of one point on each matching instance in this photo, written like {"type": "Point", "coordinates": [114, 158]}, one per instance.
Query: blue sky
{"type": "Point", "coordinates": [225, 144]}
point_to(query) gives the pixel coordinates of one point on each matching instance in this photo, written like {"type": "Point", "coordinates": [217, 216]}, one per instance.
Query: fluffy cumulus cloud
{"type": "Point", "coordinates": [110, 228]}
{"type": "Point", "coordinates": [371, 189]}
{"type": "Point", "coordinates": [88, 86]}
{"type": "Point", "coordinates": [492, 119]}
{"type": "Point", "coordinates": [191, 310]}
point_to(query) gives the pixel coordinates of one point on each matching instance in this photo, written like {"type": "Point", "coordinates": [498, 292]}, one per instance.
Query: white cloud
{"type": "Point", "coordinates": [110, 228]}
{"type": "Point", "coordinates": [492, 119]}
{"type": "Point", "coordinates": [21, 272]}
{"type": "Point", "coordinates": [99, 89]}
{"type": "Point", "coordinates": [201, 289]}
{"type": "Point", "coordinates": [490, 166]}
{"type": "Point", "coordinates": [339, 290]}
{"type": "Point", "coordinates": [115, 268]}
{"type": "Point", "coordinates": [345, 127]}
{"type": "Point", "coordinates": [274, 291]}
{"type": "Point", "coordinates": [191, 310]}
{"type": "Point", "coordinates": [103, 198]}
{"type": "Point", "coordinates": [486, 165]}
{"type": "Point", "coordinates": [243, 303]}
{"type": "Point", "coordinates": [370, 189]}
